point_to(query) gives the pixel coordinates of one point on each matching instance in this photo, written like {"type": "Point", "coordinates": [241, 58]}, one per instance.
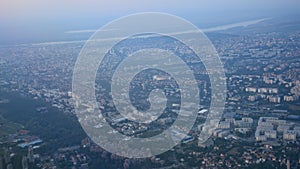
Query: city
{"type": "Point", "coordinates": [260, 126]}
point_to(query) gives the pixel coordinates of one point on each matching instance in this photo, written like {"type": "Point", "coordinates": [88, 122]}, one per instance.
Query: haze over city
{"type": "Point", "coordinates": [40, 21]}
{"type": "Point", "coordinates": [140, 84]}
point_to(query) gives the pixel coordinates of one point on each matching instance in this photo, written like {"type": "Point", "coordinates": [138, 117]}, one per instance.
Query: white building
{"type": "Point", "coordinates": [224, 125]}
{"type": "Point", "coordinates": [290, 135]}
{"type": "Point", "coordinates": [271, 134]}
{"type": "Point", "coordinates": [244, 123]}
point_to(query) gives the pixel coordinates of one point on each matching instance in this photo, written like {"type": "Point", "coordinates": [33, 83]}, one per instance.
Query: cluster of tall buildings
{"type": "Point", "coordinates": [272, 127]}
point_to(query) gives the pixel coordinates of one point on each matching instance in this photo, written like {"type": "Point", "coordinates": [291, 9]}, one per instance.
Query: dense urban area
{"type": "Point", "coordinates": [260, 126]}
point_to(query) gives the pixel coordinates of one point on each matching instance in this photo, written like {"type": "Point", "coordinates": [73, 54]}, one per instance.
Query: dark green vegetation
{"type": "Point", "coordinates": [55, 128]}
{"type": "Point", "coordinates": [7, 127]}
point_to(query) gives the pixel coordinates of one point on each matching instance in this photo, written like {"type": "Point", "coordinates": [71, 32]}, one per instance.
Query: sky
{"type": "Point", "coordinates": [40, 19]}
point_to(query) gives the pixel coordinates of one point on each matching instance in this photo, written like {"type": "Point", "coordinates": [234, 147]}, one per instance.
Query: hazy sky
{"type": "Point", "coordinates": [27, 18]}
{"type": "Point", "coordinates": [25, 9]}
